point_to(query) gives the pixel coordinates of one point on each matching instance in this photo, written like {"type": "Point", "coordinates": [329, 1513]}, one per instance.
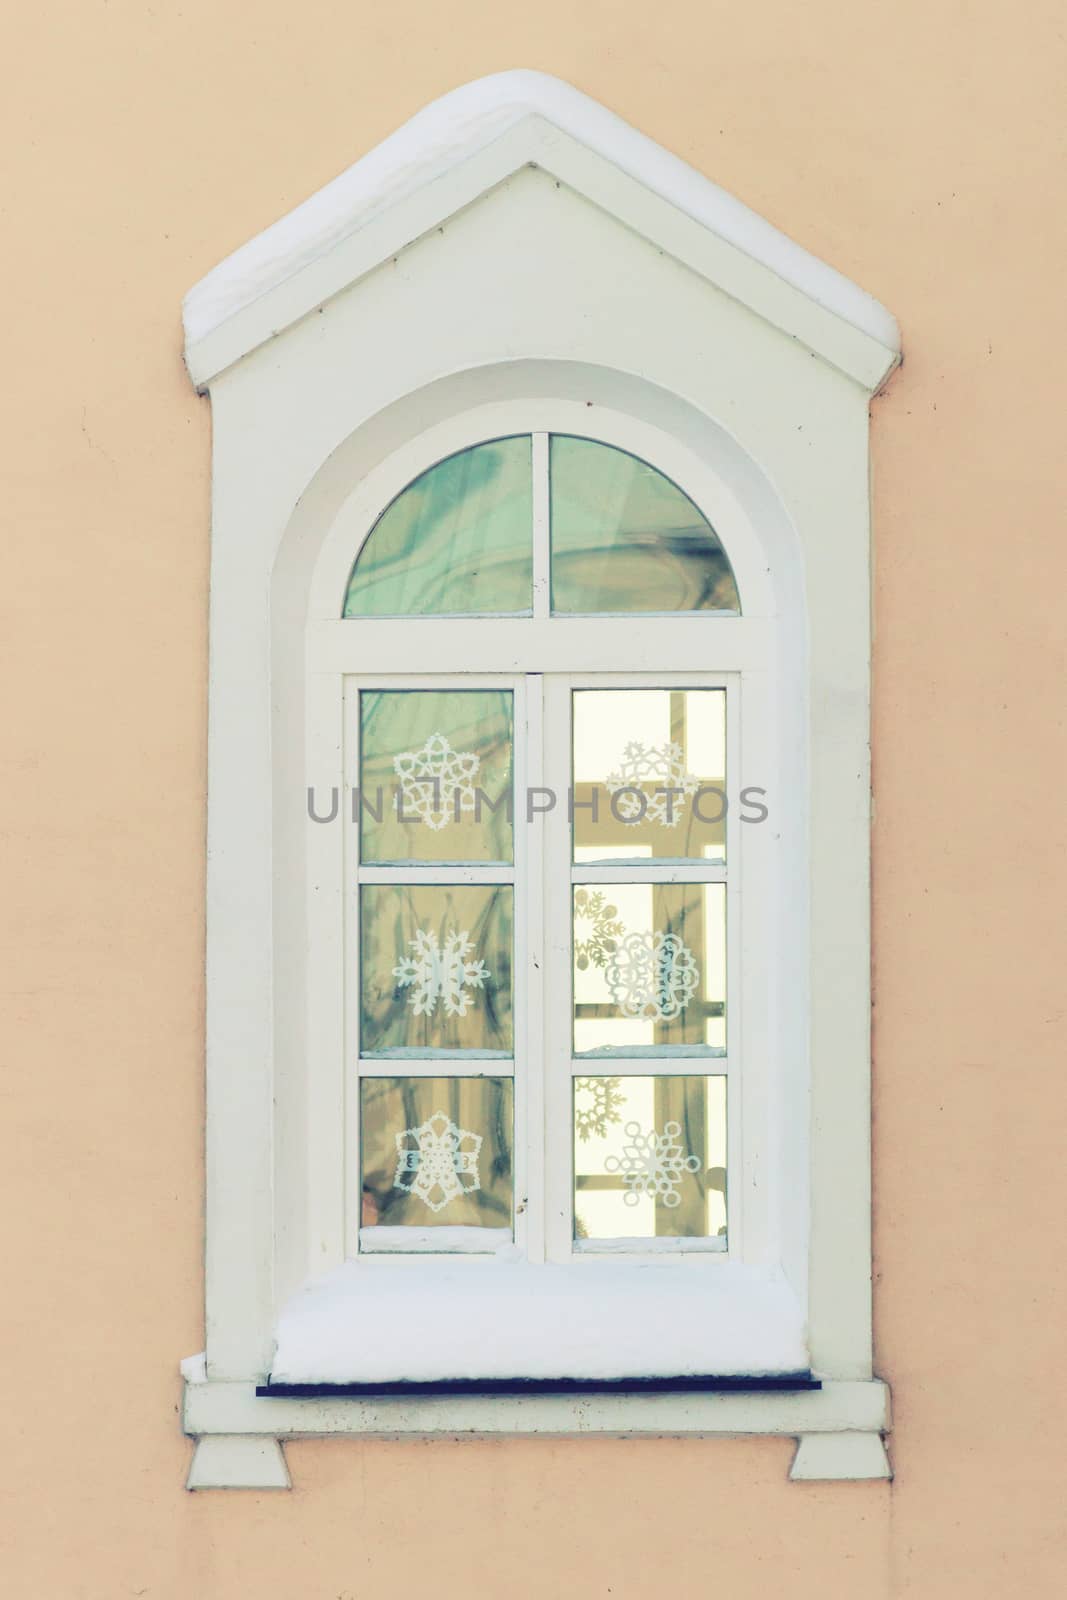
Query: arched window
{"type": "Point", "coordinates": [459, 540]}
{"type": "Point", "coordinates": [538, 1002]}
{"type": "Point", "coordinates": [537, 969]}
{"type": "Point", "coordinates": [526, 700]}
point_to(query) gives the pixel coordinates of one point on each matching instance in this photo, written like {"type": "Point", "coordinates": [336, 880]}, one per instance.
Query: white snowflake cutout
{"type": "Point", "coordinates": [597, 928]}
{"type": "Point", "coordinates": [652, 1164]}
{"type": "Point", "coordinates": [652, 976]}
{"type": "Point", "coordinates": [437, 1161]}
{"type": "Point", "coordinates": [596, 1104]}
{"type": "Point", "coordinates": [649, 767]}
{"type": "Point", "coordinates": [436, 782]}
{"type": "Point", "coordinates": [435, 974]}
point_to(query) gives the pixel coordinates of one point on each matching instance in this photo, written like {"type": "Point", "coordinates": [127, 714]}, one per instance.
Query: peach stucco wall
{"type": "Point", "coordinates": [919, 148]}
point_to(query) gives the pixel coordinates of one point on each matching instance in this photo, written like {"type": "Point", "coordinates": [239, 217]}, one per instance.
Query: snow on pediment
{"type": "Point", "coordinates": [473, 138]}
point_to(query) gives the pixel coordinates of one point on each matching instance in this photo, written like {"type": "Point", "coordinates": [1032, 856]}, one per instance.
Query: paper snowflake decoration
{"type": "Point", "coordinates": [596, 1104]}
{"type": "Point", "coordinates": [440, 974]}
{"type": "Point", "coordinates": [436, 782]}
{"type": "Point", "coordinates": [597, 929]}
{"type": "Point", "coordinates": [648, 768]}
{"type": "Point", "coordinates": [652, 976]}
{"type": "Point", "coordinates": [437, 1161]}
{"type": "Point", "coordinates": [652, 1164]}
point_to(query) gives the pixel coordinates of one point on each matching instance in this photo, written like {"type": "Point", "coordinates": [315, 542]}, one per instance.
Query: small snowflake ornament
{"type": "Point", "coordinates": [437, 1161]}
{"type": "Point", "coordinates": [436, 782]}
{"type": "Point", "coordinates": [652, 976]}
{"type": "Point", "coordinates": [652, 1164]}
{"type": "Point", "coordinates": [596, 1104]}
{"type": "Point", "coordinates": [597, 929]}
{"type": "Point", "coordinates": [647, 768]}
{"type": "Point", "coordinates": [440, 974]}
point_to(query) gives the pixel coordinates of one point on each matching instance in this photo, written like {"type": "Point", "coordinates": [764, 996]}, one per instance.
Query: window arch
{"type": "Point", "coordinates": [458, 539]}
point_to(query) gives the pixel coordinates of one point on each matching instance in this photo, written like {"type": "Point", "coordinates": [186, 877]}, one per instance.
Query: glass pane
{"type": "Point", "coordinates": [649, 774]}
{"type": "Point", "coordinates": [650, 1158]}
{"type": "Point", "coordinates": [436, 1152]}
{"type": "Point", "coordinates": [457, 540]}
{"type": "Point", "coordinates": [435, 775]}
{"type": "Point", "coordinates": [649, 968]}
{"type": "Point", "coordinates": [436, 968]}
{"type": "Point", "coordinates": [624, 538]}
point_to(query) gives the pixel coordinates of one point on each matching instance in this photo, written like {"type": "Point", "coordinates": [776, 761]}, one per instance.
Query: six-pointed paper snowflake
{"type": "Point", "coordinates": [596, 1103]}
{"type": "Point", "coordinates": [437, 974]}
{"type": "Point", "coordinates": [437, 1161]}
{"type": "Point", "coordinates": [652, 976]}
{"type": "Point", "coordinates": [436, 782]}
{"type": "Point", "coordinates": [597, 929]}
{"type": "Point", "coordinates": [647, 768]}
{"type": "Point", "coordinates": [652, 1164]}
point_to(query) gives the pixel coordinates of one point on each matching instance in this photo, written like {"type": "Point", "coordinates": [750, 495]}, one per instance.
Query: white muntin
{"type": "Point", "coordinates": [518, 261]}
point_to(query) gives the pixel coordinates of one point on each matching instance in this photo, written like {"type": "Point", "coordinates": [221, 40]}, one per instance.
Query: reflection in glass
{"type": "Point", "coordinates": [624, 538]}
{"type": "Point", "coordinates": [435, 775]}
{"type": "Point", "coordinates": [649, 774]}
{"type": "Point", "coordinates": [436, 968]}
{"type": "Point", "coordinates": [650, 1158]}
{"type": "Point", "coordinates": [456, 540]}
{"type": "Point", "coordinates": [436, 1152]}
{"type": "Point", "coordinates": [649, 967]}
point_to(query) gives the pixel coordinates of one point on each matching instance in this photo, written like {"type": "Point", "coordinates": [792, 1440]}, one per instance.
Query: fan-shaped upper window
{"type": "Point", "coordinates": [459, 539]}
{"type": "Point", "coordinates": [456, 540]}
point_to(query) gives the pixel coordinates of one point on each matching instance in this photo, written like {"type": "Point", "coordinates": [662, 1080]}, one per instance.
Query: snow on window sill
{"type": "Point", "coordinates": [369, 1322]}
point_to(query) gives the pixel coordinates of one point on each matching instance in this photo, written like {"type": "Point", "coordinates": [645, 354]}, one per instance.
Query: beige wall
{"type": "Point", "coordinates": [918, 147]}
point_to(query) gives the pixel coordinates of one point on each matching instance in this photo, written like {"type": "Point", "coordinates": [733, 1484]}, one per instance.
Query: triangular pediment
{"type": "Point", "coordinates": [470, 141]}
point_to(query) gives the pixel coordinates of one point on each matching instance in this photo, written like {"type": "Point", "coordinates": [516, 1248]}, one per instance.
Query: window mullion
{"type": "Point", "coordinates": [542, 590]}
{"type": "Point", "coordinates": [556, 845]}
{"type": "Point", "coordinates": [530, 1129]}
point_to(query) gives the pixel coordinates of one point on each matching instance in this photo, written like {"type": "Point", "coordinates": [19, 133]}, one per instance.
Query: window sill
{"type": "Point", "coordinates": [239, 1435]}
{"type": "Point", "coordinates": [593, 1347]}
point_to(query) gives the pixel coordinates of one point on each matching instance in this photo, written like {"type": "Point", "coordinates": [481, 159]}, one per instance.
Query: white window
{"type": "Point", "coordinates": [538, 1001]}
{"type": "Point", "coordinates": [538, 1051]}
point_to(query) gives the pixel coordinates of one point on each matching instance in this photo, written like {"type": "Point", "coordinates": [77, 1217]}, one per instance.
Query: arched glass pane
{"type": "Point", "coordinates": [457, 540]}
{"type": "Point", "coordinates": [624, 538]}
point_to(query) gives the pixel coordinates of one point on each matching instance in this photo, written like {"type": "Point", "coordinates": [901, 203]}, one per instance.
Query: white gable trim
{"type": "Point", "coordinates": [475, 138]}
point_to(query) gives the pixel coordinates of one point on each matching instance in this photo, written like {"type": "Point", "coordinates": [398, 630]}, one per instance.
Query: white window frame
{"type": "Point", "coordinates": [770, 441]}
{"type": "Point", "coordinates": [695, 651]}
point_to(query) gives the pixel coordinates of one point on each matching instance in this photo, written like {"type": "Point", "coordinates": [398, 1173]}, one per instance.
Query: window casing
{"type": "Point", "coordinates": [559, 655]}
{"type": "Point", "coordinates": [522, 263]}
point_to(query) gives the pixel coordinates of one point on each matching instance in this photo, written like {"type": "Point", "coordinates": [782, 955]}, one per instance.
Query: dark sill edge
{"type": "Point", "coordinates": [530, 1386]}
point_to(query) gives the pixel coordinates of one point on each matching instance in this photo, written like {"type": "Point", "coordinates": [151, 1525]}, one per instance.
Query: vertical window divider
{"type": "Point", "coordinates": [738, 1160]}
{"type": "Point", "coordinates": [558, 1071]}
{"type": "Point", "coordinates": [531, 1130]}
{"type": "Point", "coordinates": [351, 856]}
{"type": "Point", "coordinates": [542, 552]}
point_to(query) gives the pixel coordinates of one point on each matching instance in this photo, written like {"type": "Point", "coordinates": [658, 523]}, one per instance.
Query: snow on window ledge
{"type": "Point", "coordinates": [367, 1322]}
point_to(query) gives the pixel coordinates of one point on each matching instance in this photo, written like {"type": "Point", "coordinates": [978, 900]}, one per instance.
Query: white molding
{"type": "Point", "coordinates": [235, 1408]}
{"type": "Point", "coordinates": [839, 1429]}
{"type": "Point", "coordinates": [464, 145]}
